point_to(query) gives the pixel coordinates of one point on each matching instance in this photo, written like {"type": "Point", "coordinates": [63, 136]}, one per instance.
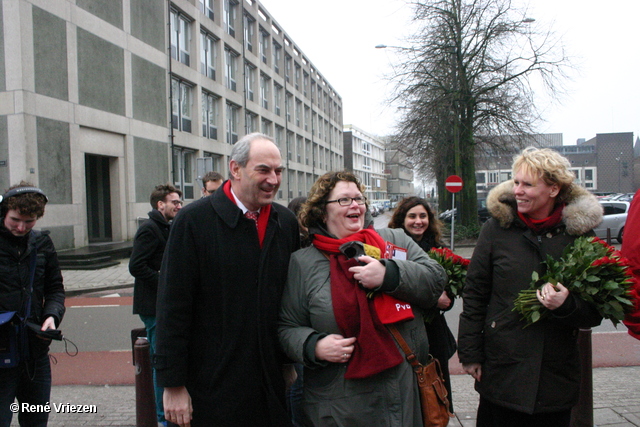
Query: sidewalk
{"type": "Point", "coordinates": [616, 394]}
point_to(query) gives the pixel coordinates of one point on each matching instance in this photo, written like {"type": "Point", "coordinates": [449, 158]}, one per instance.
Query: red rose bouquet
{"type": "Point", "coordinates": [589, 269]}
{"type": "Point", "coordinates": [456, 268]}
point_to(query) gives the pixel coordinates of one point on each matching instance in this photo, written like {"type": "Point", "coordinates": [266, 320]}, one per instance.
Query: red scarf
{"type": "Point", "coordinates": [540, 225]}
{"type": "Point", "coordinates": [356, 315]}
{"type": "Point", "coordinates": [263, 217]}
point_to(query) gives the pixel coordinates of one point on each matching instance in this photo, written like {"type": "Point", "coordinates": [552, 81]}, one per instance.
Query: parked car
{"type": "Point", "coordinates": [615, 217]}
{"type": "Point", "coordinates": [483, 213]}
{"type": "Point", "coordinates": [373, 210]}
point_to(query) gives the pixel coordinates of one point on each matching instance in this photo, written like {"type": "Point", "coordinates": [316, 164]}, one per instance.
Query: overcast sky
{"type": "Point", "coordinates": [338, 37]}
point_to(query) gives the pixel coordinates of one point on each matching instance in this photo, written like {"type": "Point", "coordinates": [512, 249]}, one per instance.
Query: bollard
{"type": "Point", "coordinates": [145, 397]}
{"type": "Point", "coordinates": [609, 236]}
{"type": "Point", "coordinates": [582, 413]}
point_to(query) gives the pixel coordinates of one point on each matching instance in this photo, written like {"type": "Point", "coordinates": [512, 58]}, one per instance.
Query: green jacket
{"type": "Point", "coordinates": [389, 398]}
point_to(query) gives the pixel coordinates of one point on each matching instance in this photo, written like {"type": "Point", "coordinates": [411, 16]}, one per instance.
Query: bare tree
{"type": "Point", "coordinates": [470, 77]}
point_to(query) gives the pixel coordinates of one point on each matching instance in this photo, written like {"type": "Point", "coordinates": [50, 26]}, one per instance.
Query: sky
{"type": "Point", "coordinates": [603, 95]}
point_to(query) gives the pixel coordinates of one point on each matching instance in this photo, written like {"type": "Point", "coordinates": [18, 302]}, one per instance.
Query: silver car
{"type": "Point", "coordinates": [615, 216]}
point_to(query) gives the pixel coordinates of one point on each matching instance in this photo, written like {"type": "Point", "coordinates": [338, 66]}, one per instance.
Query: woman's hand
{"type": "Point", "coordinates": [444, 301]}
{"type": "Point", "coordinates": [473, 369]}
{"type": "Point", "coordinates": [371, 275]}
{"type": "Point", "coordinates": [335, 348]}
{"type": "Point", "coordinates": [552, 297]}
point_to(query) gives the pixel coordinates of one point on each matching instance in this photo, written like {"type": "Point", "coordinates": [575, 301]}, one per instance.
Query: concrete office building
{"type": "Point", "coordinates": [400, 175]}
{"type": "Point", "coordinates": [364, 155]}
{"type": "Point", "coordinates": [103, 99]}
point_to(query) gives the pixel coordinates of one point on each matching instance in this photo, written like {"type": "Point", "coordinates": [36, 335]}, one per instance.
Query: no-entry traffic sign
{"type": "Point", "coordinates": [453, 183]}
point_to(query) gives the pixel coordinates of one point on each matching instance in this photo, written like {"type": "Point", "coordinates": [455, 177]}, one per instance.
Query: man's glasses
{"type": "Point", "coordinates": [346, 201]}
{"type": "Point", "coordinates": [176, 202]}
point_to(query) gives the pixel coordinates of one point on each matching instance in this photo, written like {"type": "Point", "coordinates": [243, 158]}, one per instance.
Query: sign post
{"type": "Point", "coordinates": [453, 184]}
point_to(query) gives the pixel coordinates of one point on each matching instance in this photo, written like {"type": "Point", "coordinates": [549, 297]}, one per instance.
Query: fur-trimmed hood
{"type": "Point", "coordinates": [582, 214]}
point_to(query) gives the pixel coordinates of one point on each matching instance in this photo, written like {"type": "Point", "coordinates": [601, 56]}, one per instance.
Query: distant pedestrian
{"type": "Point", "coordinates": [631, 251]}
{"type": "Point", "coordinates": [146, 259]}
{"type": "Point", "coordinates": [31, 287]}
{"type": "Point", "coordinates": [526, 376]}
{"type": "Point", "coordinates": [211, 181]}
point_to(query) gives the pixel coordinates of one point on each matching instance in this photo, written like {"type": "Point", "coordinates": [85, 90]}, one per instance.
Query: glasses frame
{"type": "Point", "coordinates": [351, 200]}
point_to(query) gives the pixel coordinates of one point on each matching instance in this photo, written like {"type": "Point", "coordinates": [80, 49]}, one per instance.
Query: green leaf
{"type": "Point", "coordinates": [535, 316]}
{"type": "Point", "coordinates": [593, 279]}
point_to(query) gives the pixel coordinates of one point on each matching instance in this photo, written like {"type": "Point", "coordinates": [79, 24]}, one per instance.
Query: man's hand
{"type": "Point", "coordinates": [473, 369]}
{"type": "Point", "coordinates": [177, 406]}
{"type": "Point", "coordinates": [49, 323]}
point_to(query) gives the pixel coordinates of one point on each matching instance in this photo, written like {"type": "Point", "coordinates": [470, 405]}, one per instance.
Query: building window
{"type": "Point", "coordinates": [231, 68]}
{"type": "Point", "coordinates": [182, 100]}
{"type": "Point", "coordinates": [298, 112]}
{"type": "Point", "coordinates": [180, 37]}
{"type": "Point", "coordinates": [208, 55]}
{"type": "Point", "coordinates": [307, 113]}
{"type": "Point", "coordinates": [206, 7]}
{"type": "Point", "coordinates": [277, 98]}
{"type": "Point", "coordinates": [287, 106]}
{"type": "Point", "coordinates": [287, 68]}
{"type": "Point", "coordinates": [209, 115]}
{"type": "Point", "coordinates": [305, 83]}
{"type": "Point", "coordinates": [264, 91]}
{"type": "Point", "coordinates": [249, 80]}
{"type": "Point", "coordinates": [298, 76]}
{"type": "Point", "coordinates": [264, 43]}
{"type": "Point", "coordinates": [250, 122]}
{"type": "Point", "coordinates": [266, 127]}
{"type": "Point", "coordinates": [183, 172]}
{"type": "Point", "coordinates": [232, 123]}
{"type": "Point", "coordinates": [230, 8]}
{"type": "Point", "coordinates": [277, 57]}
{"type": "Point", "coordinates": [280, 137]}
{"type": "Point", "coordinates": [299, 149]}
{"type": "Point", "coordinates": [249, 31]}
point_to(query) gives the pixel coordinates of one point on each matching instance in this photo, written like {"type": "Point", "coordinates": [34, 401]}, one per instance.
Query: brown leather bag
{"type": "Point", "coordinates": [433, 393]}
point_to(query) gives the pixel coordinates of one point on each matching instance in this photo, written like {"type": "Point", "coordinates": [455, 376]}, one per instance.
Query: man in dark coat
{"type": "Point", "coordinates": [146, 258]}
{"type": "Point", "coordinates": [20, 246]}
{"type": "Point", "coordinates": [218, 356]}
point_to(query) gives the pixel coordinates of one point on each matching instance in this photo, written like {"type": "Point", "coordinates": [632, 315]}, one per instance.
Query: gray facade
{"type": "Point", "coordinates": [101, 100]}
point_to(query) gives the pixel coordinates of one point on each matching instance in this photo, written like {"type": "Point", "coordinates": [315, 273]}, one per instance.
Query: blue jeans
{"type": "Point", "coordinates": [150, 326]}
{"type": "Point", "coordinates": [294, 397]}
{"type": "Point", "coordinates": [29, 382]}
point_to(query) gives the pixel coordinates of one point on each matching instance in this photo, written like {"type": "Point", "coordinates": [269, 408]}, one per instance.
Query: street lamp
{"type": "Point", "coordinates": [384, 46]}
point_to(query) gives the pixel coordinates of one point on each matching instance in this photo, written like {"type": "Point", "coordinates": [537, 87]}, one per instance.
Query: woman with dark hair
{"type": "Point", "coordinates": [337, 305]}
{"type": "Point", "coordinates": [417, 219]}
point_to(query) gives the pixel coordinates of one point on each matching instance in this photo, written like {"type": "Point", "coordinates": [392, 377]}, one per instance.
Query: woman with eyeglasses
{"type": "Point", "coordinates": [341, 295]}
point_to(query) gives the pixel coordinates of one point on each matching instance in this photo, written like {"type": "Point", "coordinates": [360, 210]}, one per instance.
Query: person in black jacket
{"type": "Point", "coordinates": [418, 220]}
{"type": "Point", "coordinates": [30, 381]}
{"type": "Point", "coordinates": [218, 356]}
{"type": "Point", "coordinates": [527, 376]}
{"type": "Point", "coordinates": [145, 262]}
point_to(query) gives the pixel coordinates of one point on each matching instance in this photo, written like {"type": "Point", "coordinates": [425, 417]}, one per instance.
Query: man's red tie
{"type": "Point", "coordinates": [253, 216]}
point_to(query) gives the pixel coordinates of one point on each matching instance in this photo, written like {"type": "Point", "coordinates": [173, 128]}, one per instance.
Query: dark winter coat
{"type": "Point", "coordinates": [146, 259]}
{"type": "Point", "coordinates": [47, 298]}
{"type": "Point", "coordinates": [218, 301]}
{"type": "Point", "coordinates": [533, 369]}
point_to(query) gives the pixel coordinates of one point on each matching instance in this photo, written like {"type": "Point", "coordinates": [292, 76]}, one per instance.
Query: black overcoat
{"type": "Point", "coordinates": [218, 302]}
{"type": "Point", "coordinates": [146, 259]}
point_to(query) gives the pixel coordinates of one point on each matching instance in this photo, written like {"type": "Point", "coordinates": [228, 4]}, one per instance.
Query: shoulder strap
{"type": "Point", "coordinates": [32, 274]}
{"type": "Point", "coordinates": [410, 355]}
